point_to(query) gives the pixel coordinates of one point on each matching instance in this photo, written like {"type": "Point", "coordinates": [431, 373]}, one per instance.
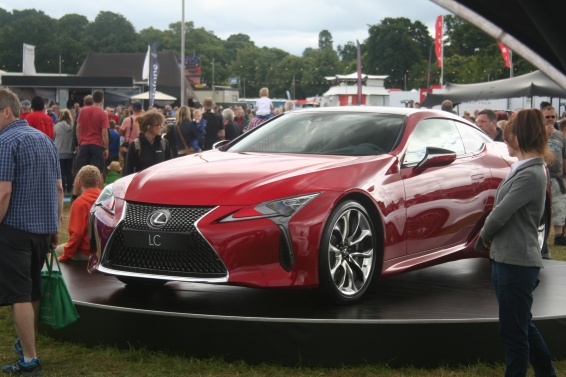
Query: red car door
{"type": "Point", "coordinates": [444, 203]}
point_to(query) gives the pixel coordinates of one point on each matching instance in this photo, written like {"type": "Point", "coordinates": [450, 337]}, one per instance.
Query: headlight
{"type": "Point", "coordinates": [285, 207]}
{"type": "Point", "coordinates": [106, 199]}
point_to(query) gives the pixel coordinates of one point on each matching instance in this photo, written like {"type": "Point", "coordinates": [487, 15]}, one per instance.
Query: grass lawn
{"type": "Point", "coordinates": [67, 359]}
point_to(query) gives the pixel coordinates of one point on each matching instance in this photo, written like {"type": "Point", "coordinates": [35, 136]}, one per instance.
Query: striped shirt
{"type": "Point", "coordinates": [29, 159]}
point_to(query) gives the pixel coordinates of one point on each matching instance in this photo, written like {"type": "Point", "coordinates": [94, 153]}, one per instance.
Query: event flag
{"type": "Point", "coordinates": [505, 54]}
{"type": "Point", "coordinates": [28, 63]}
{"type": "Point", "coordinates": [359, 97]}
{"type": "Point", "coordinates": [145, 72]}
{"type": "Point", "coordinates": [154, 72]}
{"type": "Point", "coordinates": [438, 44]}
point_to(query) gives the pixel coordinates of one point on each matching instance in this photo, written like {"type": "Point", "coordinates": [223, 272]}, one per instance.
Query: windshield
{"type": "Point", "coordinates": [331, 133]}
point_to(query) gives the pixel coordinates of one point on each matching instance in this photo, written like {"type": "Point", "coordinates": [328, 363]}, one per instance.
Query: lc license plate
{"type": "Point", "coordinates": [157, 240]}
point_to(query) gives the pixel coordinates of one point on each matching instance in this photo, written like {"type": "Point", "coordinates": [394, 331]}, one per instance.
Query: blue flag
{"type": "Point", "coordinates": [153, 72]}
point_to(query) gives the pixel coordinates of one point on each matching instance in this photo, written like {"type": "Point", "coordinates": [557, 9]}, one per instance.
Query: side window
{"type": "Point", "coordinates": [472, 138]}
{"type": "Point", "coordinates": [439, 133]}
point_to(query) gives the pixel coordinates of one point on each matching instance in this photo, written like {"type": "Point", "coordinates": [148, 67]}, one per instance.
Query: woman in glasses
{"type": "Point", "coordinates": [148, 148]}
{"type": "Point", "coordinates": [511, 235]}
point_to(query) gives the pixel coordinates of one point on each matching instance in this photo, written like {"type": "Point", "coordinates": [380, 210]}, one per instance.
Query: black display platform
{"type": "Point", "coordinates": [441, 314]}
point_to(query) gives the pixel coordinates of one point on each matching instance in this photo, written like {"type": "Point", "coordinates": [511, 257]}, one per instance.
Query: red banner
{"type": "Point", "coordinates": [438, 43]}
{"type": "Point", "coordinates": [505, 54]}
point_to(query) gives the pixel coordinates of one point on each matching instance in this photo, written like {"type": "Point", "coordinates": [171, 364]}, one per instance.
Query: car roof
{"type": "Point", "coordinates": [359, 109]}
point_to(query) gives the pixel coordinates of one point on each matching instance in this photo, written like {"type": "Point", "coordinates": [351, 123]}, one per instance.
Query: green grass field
{"type": "Point", "coordinates": [67, 359]}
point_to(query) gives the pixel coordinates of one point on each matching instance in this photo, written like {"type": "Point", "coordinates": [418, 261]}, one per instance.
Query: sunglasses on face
{"type": "Point", "coordinates": [550, 116]}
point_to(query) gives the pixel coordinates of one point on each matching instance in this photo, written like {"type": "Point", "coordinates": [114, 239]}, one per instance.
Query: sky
{"type": "Point", "coordinates": [291, 25]}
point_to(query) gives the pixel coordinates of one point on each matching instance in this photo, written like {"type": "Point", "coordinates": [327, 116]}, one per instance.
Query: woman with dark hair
{"type": "Point", "coordinates": [64, 143]}
{"type": "Point", "coordinates": [148, 148]}
{"type": "Point", "coordinates": [510, 233]}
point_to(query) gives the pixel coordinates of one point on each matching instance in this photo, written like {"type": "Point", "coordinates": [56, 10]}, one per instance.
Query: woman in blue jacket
{"type": "Point", "coordinates": [511, 235]}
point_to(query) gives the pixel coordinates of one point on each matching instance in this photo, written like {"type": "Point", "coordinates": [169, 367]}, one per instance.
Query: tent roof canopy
{"type": "Point", "coordinates": [158, 96]}
{"type": "Point", "coordinates": [354, 76]}
{"type": "Point", "coordinates": [529, 85]}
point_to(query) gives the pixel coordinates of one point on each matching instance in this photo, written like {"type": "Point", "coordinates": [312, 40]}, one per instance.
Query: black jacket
{"type": "Point", "coordinates": [148, 155]}
{"type": "Point", "coordinates": [232, 130]}
{"type": "Point", "coordinates": [214, 124]}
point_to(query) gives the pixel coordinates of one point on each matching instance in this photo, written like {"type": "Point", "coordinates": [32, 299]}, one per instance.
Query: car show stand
{"type": "Point", "coordinates": [435, 316]}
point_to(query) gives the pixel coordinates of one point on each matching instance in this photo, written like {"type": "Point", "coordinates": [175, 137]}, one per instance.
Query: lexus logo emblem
{"type": "Point", "coordinates": [158, 218]}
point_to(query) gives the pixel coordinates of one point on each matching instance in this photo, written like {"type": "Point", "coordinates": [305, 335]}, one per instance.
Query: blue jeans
{"type": "Point", "coordinates": [514, 291]}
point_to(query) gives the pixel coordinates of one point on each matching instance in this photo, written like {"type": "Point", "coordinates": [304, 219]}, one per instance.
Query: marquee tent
{"type": "Point", "coordinates": [524, 26]}
{"type": "Point", "coordinates": [529, 85]}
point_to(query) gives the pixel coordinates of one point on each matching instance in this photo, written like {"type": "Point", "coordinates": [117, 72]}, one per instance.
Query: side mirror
{"type": "Point", "coordinates": [435, 157]}
{"type": "Point", "coordinates": [220, 143]}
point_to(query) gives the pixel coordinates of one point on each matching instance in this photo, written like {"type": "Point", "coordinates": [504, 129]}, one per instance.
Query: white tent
{"type": "Point", "coordinates": [158, 96]}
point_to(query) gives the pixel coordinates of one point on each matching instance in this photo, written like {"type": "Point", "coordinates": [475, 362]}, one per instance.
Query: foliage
{"type": "Point", "coordinates": [325, 39]}
{"type": "Point", "coordinates": [396, 47]}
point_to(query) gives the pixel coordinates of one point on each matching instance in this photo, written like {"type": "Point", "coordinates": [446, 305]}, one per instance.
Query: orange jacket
{"type": "Point", "coordinates": [78, 225]}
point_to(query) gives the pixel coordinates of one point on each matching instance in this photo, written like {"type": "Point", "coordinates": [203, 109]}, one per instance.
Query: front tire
{"type": "Point", "coordinates": [348, 255]}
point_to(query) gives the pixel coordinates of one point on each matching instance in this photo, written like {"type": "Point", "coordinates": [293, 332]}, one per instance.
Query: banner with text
{"type": "Point", "coordinates": [438, 43]}
{"type": "Point", "coordinates": [153, 72]}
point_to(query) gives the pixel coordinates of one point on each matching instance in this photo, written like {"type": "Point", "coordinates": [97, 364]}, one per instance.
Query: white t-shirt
{"type": "Point", "coordinates": [263, 106]}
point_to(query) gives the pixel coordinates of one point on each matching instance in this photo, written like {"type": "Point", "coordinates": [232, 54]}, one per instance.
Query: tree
{"type": "Point", "coordinates": [325, 39]}
{"type": "Point", "coordinates": [348, 52]}
{"type": "Point", "coordinates": [394, 46]}
{"type": "Point", "coordinates": [112, 32]}
{"type": "Point", "coordinates": [236, 42]}
{"type": "Point", "coordinates": [33, 28]}
{"type": "Point", "coordinates": [463, 38]}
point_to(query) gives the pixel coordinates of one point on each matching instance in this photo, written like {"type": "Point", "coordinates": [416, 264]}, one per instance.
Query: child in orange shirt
{"type": "Point", "coordinates": [77, 247]}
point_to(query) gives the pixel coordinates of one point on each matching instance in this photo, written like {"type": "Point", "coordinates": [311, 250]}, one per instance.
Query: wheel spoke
{"type": "Point", "coordinates": [343, 279]}
{"type": "Point", "coordinates": [354, 230]}
{"type": "Point", "coordinates": [351, 278]}
{"type": "Point", "coordinates": [363, 254]}
{"type": "Point", "coordinates": [346, 220]}
{"type": "Point", "coordinates": [335, 268]}
{"type": "Point", "coordinates": [364, 233]}
{"type": "Point", "coordinates": [357, 269]}
{"type": "Point", "coordinates": [334, 249]}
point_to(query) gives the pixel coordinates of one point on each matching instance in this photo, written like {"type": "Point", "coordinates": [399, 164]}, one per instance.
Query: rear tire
{"type": "Point", "coordinates": [348, 254]}
{"type": "Point", "coordinates": [141, 282]}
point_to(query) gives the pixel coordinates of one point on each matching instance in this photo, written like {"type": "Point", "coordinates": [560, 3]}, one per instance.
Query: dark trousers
{"type": "Point", "coordinates": [67, 174]}
{"type": "Point", "coordinates": [91, 155]}
{"type": "Point", "coordinates": [514, 291]}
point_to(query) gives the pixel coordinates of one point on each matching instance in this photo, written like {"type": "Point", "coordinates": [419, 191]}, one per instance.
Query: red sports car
{"type": "Point", "coordinates": [328, 198]}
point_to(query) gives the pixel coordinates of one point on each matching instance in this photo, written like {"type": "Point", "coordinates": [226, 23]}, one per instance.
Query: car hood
{"type": "Point", "coordinates": [224, 178]}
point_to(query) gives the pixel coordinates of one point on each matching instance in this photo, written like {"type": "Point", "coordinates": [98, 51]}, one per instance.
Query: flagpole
{"type": "Point", "coordinates": [428, 75]}
{"type": "Point", "coordinates": [511, 63]}
{"type": "Point", "coordinates": [183, 56]}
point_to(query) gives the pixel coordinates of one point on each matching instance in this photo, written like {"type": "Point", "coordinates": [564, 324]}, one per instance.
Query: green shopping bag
{"type": "Point", "coordinates": [57, 309]}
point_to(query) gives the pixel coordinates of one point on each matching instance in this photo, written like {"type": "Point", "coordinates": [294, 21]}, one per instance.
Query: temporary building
{"type": "Point", "coordinates": [131, 65]}
{"type": "Point", "coordinates": [530, 85]}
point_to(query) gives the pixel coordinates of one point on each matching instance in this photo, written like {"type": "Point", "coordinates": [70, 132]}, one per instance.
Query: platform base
{"type": "Point", "coordinates": [439, 315]}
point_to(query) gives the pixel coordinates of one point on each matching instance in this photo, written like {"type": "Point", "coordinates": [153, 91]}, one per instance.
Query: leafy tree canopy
{"type": "Point", "coordinates": [396, 47]}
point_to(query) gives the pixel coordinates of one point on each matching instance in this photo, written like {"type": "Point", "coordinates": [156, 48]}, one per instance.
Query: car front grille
{"type": "Point", "coordinates": [198, 260]}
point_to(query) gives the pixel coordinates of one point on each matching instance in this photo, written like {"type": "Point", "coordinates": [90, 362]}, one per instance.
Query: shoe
{"type": "Point", "coordinates": [33, 368]}
{"type": "Point", "coordinates": [559, 240]}
{"type": "Point", "coordinates": [18, 347]}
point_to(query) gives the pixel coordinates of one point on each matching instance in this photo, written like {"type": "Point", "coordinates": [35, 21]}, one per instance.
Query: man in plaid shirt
{"type": "Point", "coordinates": [31, 204]}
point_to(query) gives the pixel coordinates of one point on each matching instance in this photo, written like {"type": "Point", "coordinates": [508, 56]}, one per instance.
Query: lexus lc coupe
{"type": "Point", "coordinates": [328, 199]}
